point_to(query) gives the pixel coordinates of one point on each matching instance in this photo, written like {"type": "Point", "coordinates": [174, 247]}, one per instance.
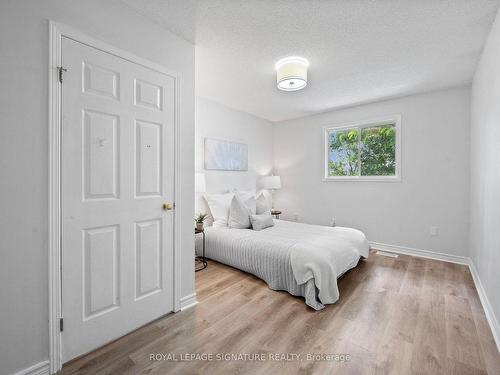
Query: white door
{"type": "Point", "coordinates": [118, 172]}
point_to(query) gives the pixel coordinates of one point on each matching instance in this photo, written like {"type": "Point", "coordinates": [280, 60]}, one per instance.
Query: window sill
{"type": "Point", "coordinates": [362, 179]}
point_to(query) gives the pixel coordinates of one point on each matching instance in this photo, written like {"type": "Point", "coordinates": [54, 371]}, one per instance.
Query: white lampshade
{"type": "Point", "coordinates": [291, 73]}
{"type": "Point", "coordinates": [270, 182]}
{"type": "Point", "coordinates": [200, 184]}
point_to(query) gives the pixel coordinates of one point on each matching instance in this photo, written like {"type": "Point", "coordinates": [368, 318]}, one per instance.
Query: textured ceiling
{"type": "Point", "coordinates": [359, 50]}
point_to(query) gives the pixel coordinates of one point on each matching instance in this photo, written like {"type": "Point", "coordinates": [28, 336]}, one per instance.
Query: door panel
{"type": "Point", "coordinates": [148, 257]}
{"type": "Point", "coordinates": [148, 158]}
{"type": "Point", "coordinates": [101, 160]}
{"type": "Point", "coordinates": [100, 81]}
{"type": "Point", "coordinates": [117, 168]}
{"type": "Point", "coordinates": [101, 270]}
{"type": "Point", "coordinates": [148, 95]}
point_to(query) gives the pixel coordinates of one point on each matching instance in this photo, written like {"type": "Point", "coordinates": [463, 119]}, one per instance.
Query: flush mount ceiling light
{"type": "Point", "coordinates": [291, 73]}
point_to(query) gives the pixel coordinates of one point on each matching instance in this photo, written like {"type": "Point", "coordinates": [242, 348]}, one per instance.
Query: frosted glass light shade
{"type": "Point", "coordinates": [291, 73]}
{"type": "Point", "coordinates": [270, 182]}
{"type": "Point", "coordinates": [200, 184]}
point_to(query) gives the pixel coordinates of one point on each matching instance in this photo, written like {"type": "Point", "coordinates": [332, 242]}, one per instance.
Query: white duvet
{"type": "Point", "coordinates": [310, 253]}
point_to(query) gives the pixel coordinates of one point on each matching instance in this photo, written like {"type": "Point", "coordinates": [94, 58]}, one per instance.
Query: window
{"type": "Point", "coordinates": [364, 151]}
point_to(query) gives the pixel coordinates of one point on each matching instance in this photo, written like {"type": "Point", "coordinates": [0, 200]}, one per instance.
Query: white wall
{"type": "Point", "coordinates": [434, 190]}
{"type": "Point", "coordinates": [23, 152]}
{"type": "Point", "coordinates": [217, 121]}
{"type": "Point", "coordinates": [485, 171]}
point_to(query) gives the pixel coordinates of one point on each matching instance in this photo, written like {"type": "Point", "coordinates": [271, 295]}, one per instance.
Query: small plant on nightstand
{"type": "Point", "coordinates": [199, 220]}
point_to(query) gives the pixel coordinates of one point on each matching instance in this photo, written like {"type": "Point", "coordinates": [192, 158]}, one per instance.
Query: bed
{"type": "Point", "coordinates": [302, 259]}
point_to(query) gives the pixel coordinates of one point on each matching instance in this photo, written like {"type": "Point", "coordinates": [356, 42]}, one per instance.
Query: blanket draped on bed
{"type": "Point", "coordinates": [303, 259]}
{"type": "Point", "coordinates": [324, 255]}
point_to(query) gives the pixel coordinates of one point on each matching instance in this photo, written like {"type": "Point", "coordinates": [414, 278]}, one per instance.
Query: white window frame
{"type": "Point", "coordinates": [395, 119]}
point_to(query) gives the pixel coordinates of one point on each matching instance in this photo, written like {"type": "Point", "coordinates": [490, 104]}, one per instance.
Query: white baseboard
{"type": "Point", "coordinates": [488, 310]}
{"type": "Point", "coordinates": [420, 253]}
{"type": "Point", "coordinates": [188, 301]}
{"type": "Point", "coordinates": [41, 368]}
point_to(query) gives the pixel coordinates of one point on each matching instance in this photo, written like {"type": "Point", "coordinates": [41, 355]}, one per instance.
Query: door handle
{"type": "Point", "coordinates": [167, 206]}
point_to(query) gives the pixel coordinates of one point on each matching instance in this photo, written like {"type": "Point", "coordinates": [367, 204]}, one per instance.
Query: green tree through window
{"type": "Point", "coordinates": [362, 151]}
{"type": "Point", "coordinates": [344, 153]}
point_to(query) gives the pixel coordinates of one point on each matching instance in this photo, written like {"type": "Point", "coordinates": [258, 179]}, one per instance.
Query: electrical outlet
{"type": "Point", "coordinates": [434, 231]}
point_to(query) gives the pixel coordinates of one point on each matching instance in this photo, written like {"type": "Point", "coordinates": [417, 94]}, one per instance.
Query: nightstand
{"type": "Point", "coordinates": [276, 213]}
{"type": "Point", "coordinates": [201, 259]}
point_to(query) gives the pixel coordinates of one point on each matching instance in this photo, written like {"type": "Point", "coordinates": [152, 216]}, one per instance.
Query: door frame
{"type": "Point", "coordinates": [56, 32]}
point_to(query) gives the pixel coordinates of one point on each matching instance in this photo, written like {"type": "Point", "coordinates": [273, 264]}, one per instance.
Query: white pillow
{"type": "Point", "coordinates": [262, 206]}
{"type": "Point", "coordinates": [248, 197]}
{"type": "Point", "coordinates": [219, 207]}
{"type": "Point", "coordinates": [260, 222]}
{"type": "Point", "coordinates": [246, 193]}
{"type": "Point", "coordinates": [239, 214]}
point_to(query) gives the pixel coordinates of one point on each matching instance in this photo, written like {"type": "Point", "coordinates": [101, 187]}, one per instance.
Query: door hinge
{"type": "Point", "coordinates": [61, 324]}
{"type": "Point", "coordinates": [61, 71]}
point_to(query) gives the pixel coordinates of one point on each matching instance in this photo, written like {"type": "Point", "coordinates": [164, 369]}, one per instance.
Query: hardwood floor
{"type": "Point", "coordinates": [400, 315]}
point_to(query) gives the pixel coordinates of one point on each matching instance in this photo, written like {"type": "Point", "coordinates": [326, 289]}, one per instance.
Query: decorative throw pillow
{"type": "Point", "coordinates": [260, 222]}
{"type": "Point", "coordinates": [245, 193]}
{"type": "Point", "coordinates": [262, 206]}
{"type": "Point", "coordinates": [239, 214]}
{"type": "Point", "coordinates": [219, 207]}
{"type": "Point", "coordinates": [248, 197]}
